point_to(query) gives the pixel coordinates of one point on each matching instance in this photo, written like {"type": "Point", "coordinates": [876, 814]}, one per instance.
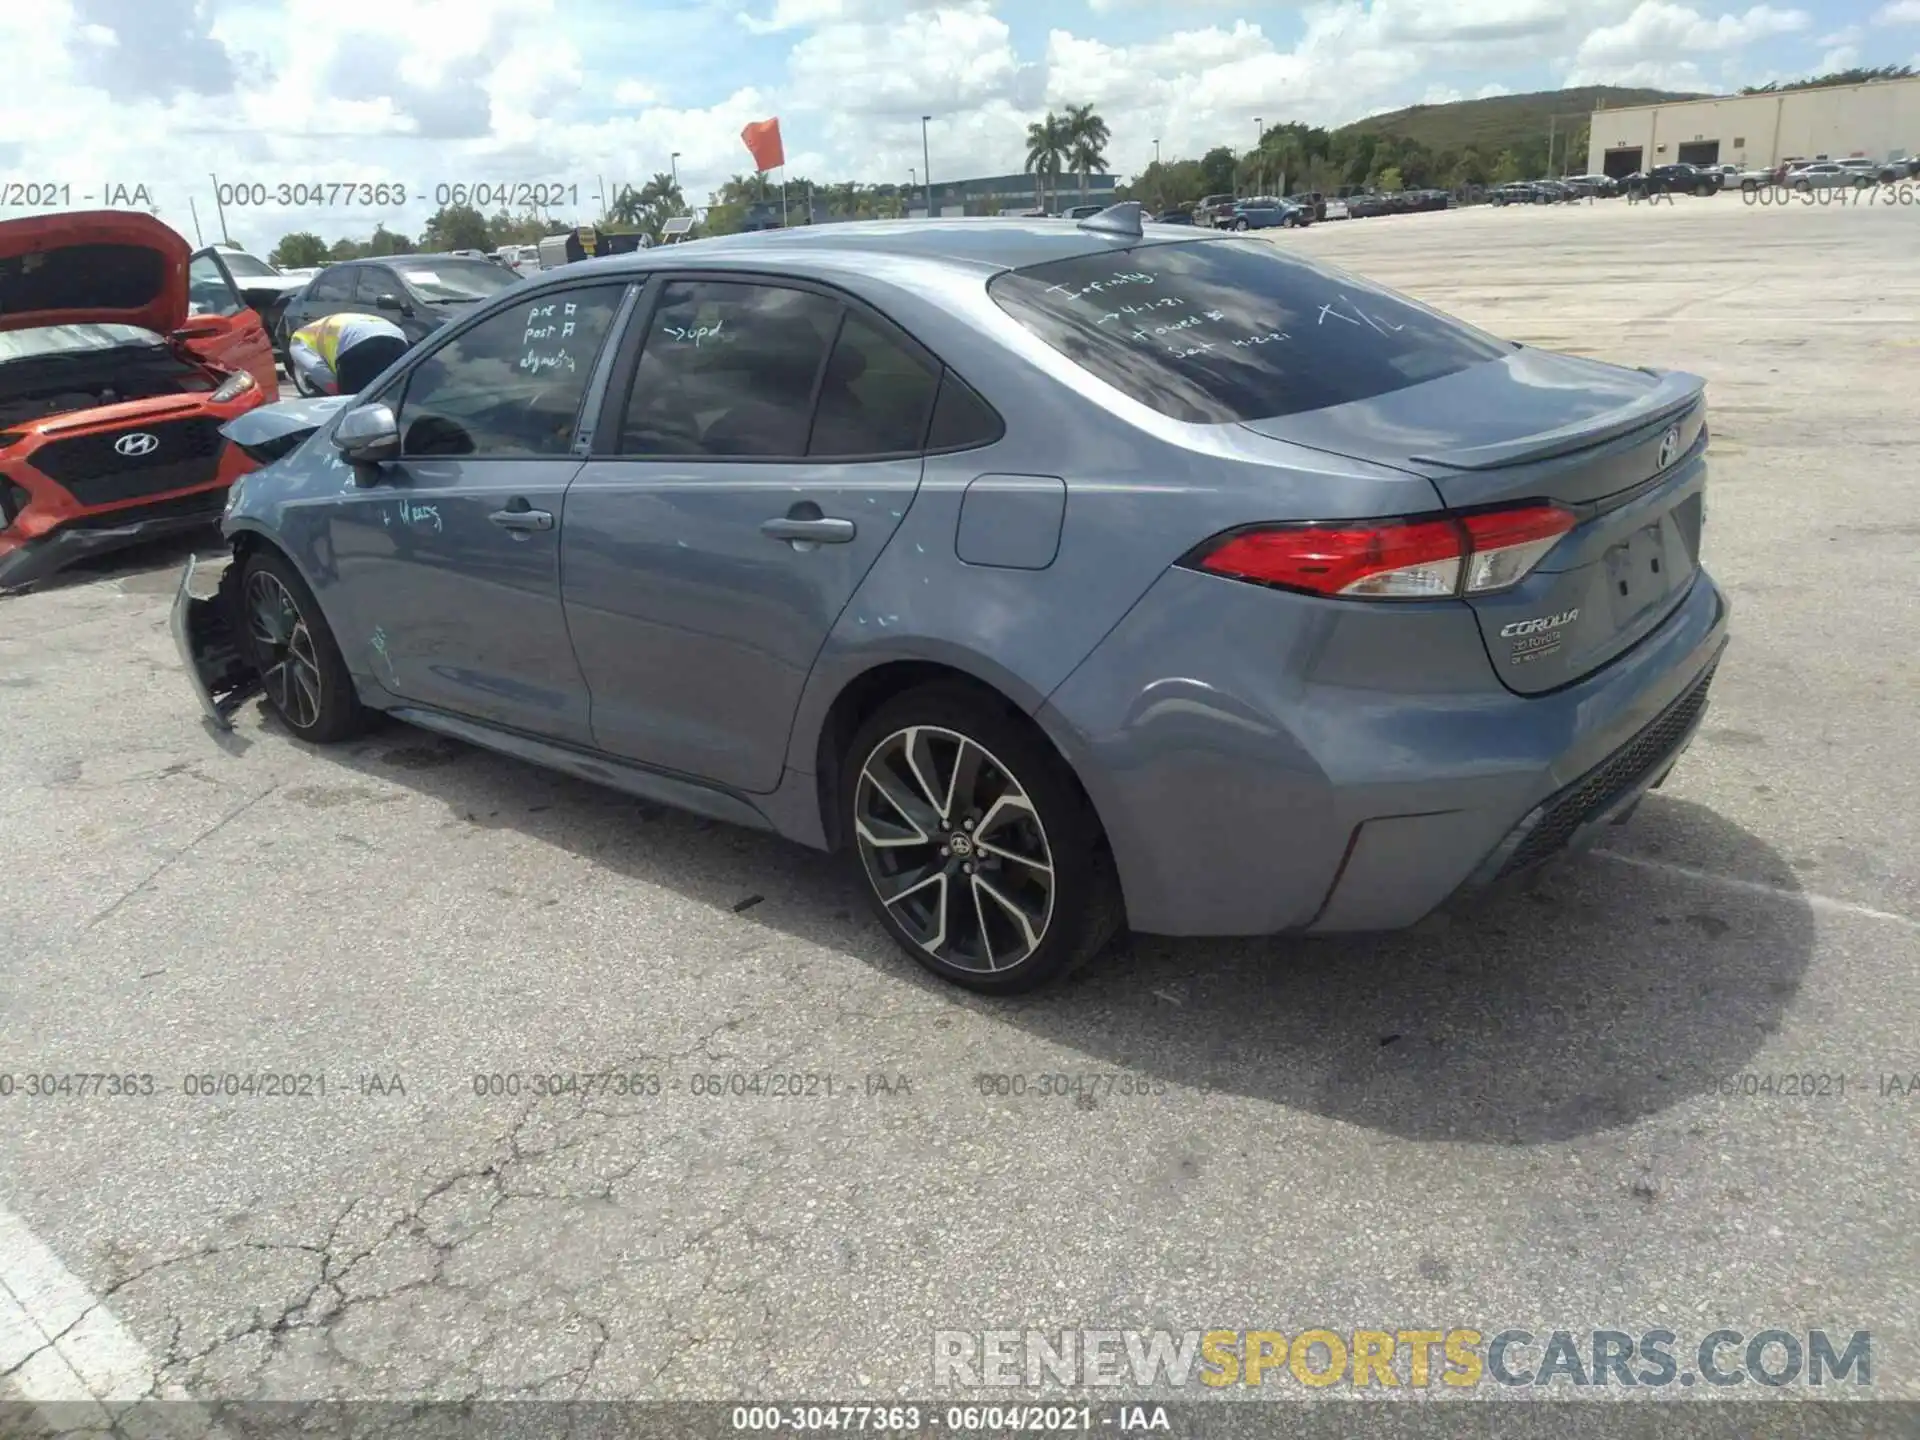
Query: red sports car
{"type": "Point", "coordinates": [122, 353]}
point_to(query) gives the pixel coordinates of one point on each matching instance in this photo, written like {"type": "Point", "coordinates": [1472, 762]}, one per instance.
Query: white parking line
{"type": "Point", "coordinates": [61, 1346]}
{"type": "Point", "coordinates": [1755, 887]}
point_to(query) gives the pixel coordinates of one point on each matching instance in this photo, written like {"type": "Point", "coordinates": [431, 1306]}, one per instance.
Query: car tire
{"type": "Point", "coordinates": [942, 769]}
{"type": "Point", "coordinates": [1240, 225]}
{"type": "Point", "coordinates": [302, 671]}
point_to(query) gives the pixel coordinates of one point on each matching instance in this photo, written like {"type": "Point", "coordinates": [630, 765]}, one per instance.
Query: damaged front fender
{"type": "Point", "coordinates": [206, 631]}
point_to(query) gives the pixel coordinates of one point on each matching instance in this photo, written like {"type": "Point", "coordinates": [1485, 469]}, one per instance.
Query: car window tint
{"type": "Point", "coordinates": [961, 419]}
{"type": "Point", "coordinates": [208, 292]}
{"type": "Point", "coordinates": [334, 284]}
{"type": "Point", "coordinates": [874, 398]}
{"type": "Point", "coordinates": [728, 369]}
{"type": "Point", "coordinates": [511, 385]}
{"type": "Point", "coordinates": [1212, 331]}
{"type": "Point", "coordinates": [369, 283]}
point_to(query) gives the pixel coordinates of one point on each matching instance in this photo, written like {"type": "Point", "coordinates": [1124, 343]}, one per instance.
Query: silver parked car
{"type": "Point", "coordinates": [1827, 175]}
{"type": "Point", "coordinates": [1066, 576]}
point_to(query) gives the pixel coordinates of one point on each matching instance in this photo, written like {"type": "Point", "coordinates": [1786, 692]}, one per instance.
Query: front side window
{"type": "Point", "coordinates": [370, 282]}
{"type": "Point", "coordinates": [1216, 331]}
{"type": "Point", "coordinates": [511, 386]}
{"type": "Point", "coordinates": [334, 284]}
{"type": "Point", "coordinates": [208, 292]}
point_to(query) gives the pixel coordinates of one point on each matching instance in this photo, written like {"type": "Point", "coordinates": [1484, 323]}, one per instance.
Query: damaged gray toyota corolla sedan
{"type": "Point", "coordinates": [1068, 576]}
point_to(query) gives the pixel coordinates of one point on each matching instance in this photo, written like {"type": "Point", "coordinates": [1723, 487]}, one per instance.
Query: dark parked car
{"type": "Point", "coordinates": [1174, 217]}
{"type": "Point", "coordinates": [419, 293]}
{"type": "Point", "coordinates": [1517, 192]}
{"type": "Point", "coordinates": [1675, 180]}
{"type": "Point", "coordinates": [1066, 576]}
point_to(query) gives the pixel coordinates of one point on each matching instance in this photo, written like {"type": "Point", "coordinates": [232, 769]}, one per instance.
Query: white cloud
{"type": "Point", "coordinates": [1840, 57]}
{"type": "Point", "coordinates": [591, 92]}
{"type": "Point", "coordinates": [1653, 45]}
{"type": "Point", "coordinates": [1487, 92]}
{"type": "Point", "coordinates": [1898, 12]}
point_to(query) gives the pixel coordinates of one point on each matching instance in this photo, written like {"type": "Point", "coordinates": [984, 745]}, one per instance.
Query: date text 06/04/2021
{"type": "Point", "coordinates": [325, 194]}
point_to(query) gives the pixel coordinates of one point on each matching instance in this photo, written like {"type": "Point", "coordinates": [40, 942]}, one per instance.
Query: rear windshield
{"type": "Point", "coordinates": [1214, 331]}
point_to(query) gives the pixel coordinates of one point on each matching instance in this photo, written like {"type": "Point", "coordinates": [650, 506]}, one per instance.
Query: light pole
{"type": "Point", "coordinates": [926, 163]}
{"type": "Point", "coordinates": [1259, 130]}
{"type": "Point", "coordinates": [673, 166]}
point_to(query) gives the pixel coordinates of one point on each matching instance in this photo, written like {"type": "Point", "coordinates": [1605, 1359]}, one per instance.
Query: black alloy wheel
{"type": "Point", "coordinates": [305, 679]}
{"type": "Point", "coordinates": [979, 854]}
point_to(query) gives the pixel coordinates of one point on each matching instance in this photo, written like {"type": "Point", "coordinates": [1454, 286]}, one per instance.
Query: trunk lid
{"type": "Point", "coordinates": [1624, 450]}
{"type": "Point", "coordinates": [92, 267]}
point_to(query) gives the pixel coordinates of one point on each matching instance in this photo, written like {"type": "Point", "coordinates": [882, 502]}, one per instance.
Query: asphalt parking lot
{"type": "Point", "coordinates": [1534, 1115]}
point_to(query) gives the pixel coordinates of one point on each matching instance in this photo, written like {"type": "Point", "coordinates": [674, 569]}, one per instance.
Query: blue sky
{"type": "Point", "coordinates": [585, 92]}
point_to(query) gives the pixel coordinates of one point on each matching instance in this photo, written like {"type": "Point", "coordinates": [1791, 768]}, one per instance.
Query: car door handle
{"type": "Point", "coordinates": [522, 519]}
{"type": "Point", "coordinates": [822, 531]}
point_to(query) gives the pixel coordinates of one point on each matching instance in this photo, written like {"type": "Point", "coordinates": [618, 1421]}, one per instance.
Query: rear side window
{"type": "Point", "coordinates": [1217, 331]}
{"type": "Point", "coordinates": [875, 397]}
{"type": "Point", "coordinates": [729, 369]}
{"type": "Point", "coordinates": [961, 419]}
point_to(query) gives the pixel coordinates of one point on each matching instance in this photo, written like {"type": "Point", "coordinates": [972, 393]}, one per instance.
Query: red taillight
{"type": "Point", "coordinates": [1395, 560]}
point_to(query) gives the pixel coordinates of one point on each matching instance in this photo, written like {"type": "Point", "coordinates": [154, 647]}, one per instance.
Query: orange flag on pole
{"type": "Point", "coordinates": [762, 139]}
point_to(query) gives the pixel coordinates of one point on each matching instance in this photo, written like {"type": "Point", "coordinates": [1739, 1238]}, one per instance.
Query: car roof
{"type": "Point", "coordinates": [982, 246]}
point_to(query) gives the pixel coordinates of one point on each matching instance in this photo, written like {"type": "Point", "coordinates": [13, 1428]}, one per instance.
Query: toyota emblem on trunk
{"type": "Point", "coordinates": [145, 442]}
{"type": "Point", "coordinates": [1669, 447]}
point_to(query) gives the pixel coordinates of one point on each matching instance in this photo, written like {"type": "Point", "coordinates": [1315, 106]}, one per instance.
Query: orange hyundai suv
{"type": "Point", "coordinates": [122, 353]}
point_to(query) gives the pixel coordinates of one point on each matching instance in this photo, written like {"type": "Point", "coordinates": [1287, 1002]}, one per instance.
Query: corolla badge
{"type": "Point", "coordinates": [140, 442]}
{"type": "Point", "coordinates": [1669, 447]}
{"type": "Point", "coordinates": [1540, 623]}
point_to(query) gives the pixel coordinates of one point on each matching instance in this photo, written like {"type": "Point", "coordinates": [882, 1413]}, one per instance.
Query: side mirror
{"type": "Point", "coordinates": [393, 302]}
{"type": "Point", "coordinates": [368, 435]}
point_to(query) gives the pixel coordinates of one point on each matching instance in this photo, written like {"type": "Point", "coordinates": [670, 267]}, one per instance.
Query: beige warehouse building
{"type": "Point", "coordinates": [1880, 119]}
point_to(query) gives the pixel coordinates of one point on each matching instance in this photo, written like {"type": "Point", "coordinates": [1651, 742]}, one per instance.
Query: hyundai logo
{"type": "Point", "coordinates": [145, 442]}
{"type": "Point", "coordinates": [1669, 447]}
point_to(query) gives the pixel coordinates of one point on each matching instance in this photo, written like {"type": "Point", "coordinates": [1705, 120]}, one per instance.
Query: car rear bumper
{"type": "Point", "coordinates": [1305, 765]}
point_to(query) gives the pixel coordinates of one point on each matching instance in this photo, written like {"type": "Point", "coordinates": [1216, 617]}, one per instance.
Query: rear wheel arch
{"type": "Point", "coordinates": [871, 689]}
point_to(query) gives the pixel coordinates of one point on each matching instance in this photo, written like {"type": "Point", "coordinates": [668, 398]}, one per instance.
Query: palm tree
{"type": "Point", "coordinates": [662, 189]}
{"type": "Point", "coordinates": [627, 207]}
{"type": "Point", "coordinates": [1087, 135]}
{"type": "Point", "coordinates": [1047, 143]}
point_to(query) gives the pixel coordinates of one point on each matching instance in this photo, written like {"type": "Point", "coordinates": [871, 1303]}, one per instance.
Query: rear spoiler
{"type": "Point", "coordinates": [1677, 393]}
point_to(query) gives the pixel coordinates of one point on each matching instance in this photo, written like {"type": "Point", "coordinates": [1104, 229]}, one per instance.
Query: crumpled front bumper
{"type": "Point", "coordinates": [206, 633]}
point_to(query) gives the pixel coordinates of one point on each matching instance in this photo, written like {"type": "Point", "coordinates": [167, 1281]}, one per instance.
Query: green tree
{"type": "Point", "coordinates": [1047, 147]}
{"type": "Point", "coordinates": [298, 250]}
{"type": "Point", "coordinates": [1087, 136]}
{"type": "Point", "coordinates": [1389, 179]}
{"type": "Point", "coordinates": [391, 242]}
{"type": "Point", "coordinates": [1506, 169]}
{"type": "Point", "coordinates": [344, 249]}
{"type": "Point", "coordinates": [1216, 171]}
{"type": "Point", "coordinates": [454, 227]}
